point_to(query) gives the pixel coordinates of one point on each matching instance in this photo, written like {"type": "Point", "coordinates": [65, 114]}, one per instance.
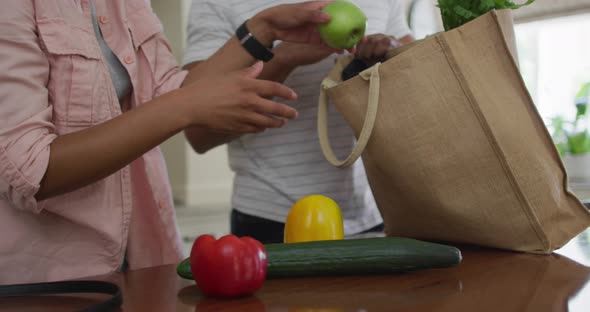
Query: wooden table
{"type": "Point", "coordinates": [486, 280]}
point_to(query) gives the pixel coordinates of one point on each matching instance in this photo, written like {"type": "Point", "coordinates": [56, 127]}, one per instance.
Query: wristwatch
{"type": "Point", "coordinates": [252, 45]}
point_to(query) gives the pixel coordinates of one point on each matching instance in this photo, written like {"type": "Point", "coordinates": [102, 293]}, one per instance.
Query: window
{"type": "Point", "coordinates": [554, 56]}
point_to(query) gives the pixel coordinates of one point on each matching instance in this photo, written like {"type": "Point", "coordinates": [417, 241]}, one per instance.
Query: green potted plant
{"type": "Point", "coordinates": [572, 138]}
{"type": "Point", "coordinates": [458, 12]}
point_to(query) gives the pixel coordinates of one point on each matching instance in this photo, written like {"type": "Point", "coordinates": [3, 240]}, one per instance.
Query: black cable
{"type": "Point", "coordinates": [69, 287]}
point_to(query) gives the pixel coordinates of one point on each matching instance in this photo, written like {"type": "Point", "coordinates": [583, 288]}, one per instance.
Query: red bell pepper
{"type": "Point", "coordinates": [228, 267]}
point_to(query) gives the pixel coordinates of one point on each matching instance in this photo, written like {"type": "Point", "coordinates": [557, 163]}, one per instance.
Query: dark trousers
{"type": "Point", "coordinates": [266, 231]}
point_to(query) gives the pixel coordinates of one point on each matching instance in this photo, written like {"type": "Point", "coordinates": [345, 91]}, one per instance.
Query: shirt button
{"type": "Point", "coordinates": [103, 19]}
{"type": "Point", "coordinates": [128, 59]}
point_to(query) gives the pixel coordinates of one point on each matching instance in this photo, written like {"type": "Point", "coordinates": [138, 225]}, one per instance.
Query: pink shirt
{"type": "Point", "coordinates": [54, 81]}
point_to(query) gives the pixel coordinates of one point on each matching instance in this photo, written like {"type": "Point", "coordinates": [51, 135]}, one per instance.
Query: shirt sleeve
{"type": "Point", "coordinates": [398, 21]}
{"type": "Point", "coordinates": [26, 128]}
{"type": "Point", "coordinates": [167, 73]}
{"type": "Point", "coordinates": [209, 28]}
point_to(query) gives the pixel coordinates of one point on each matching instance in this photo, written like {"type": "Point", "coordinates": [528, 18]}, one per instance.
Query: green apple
{"type": "Point", "coordinates": [346, 27]}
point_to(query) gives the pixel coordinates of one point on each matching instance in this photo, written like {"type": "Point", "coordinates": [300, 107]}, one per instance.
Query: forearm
{"type": "Point", "coordinates": [203, 139]}
{"type": "Point", "coordinates": [81, 158]}
{"type": "Point", "coordinates": [231, 57]}
{"type": "Point", "coordinates": [277, 69]}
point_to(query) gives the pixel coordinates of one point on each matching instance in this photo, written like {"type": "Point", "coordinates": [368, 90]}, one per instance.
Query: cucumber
{"type": "Point", "coordinates": [381, 255]}
{"type": "Point", "coordinates": [184, 269]}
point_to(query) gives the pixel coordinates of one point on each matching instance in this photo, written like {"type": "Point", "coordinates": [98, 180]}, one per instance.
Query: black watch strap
{"type": "Point", "coordinates": [252, 45]}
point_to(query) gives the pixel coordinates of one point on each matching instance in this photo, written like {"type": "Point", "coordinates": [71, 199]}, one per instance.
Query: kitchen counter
{"type": "Point", "coordinates": [486, 280]}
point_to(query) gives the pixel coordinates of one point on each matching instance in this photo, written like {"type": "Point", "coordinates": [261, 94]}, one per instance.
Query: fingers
{"type": "Point", "coordinates": [272, 108]}
{"type": "Point", "coordinates": [254, 70]}
{"type": "Point", "coordinates": [260, 121]}
{"type": "Point", "coordinates": [262, 114]}
{"type": "Point", "coordinates": [374, 48]}
{"type": "Point", "coordinates": [245, 128]}
{"type": "Point", "coordinates": [361, 49]}
{"type": "Point", "coordinates": [315, 5]}
{"type": "Point", "coordinates": [395, 43]}
{"type": "Point", "coordinates": [301, 17]}
{"type": "Point", "coordinates": [363, 46]}
{"type": "Point", "coordinates": [254, 111]}
{"type": "Point", "coordinates": [270, 89]}
{"type": "Point", "coordinates": [297, 15]}
{"type": "Point", "coordinates": [259, 115]}
{"type": "Point", "coordinates": [381, 48]}
{"type": "Point", "coordinates": [294, 22]}
{"type": "Point", "coordinates": [322, 50]}
{"type": "Point", "coordinates": [238, 128]}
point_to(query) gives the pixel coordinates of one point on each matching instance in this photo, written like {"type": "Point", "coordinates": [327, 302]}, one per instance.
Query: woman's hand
{"type": "Point", "coordinates": [290, 22]}
{"type": "Point", "coordinates": [238, 103]}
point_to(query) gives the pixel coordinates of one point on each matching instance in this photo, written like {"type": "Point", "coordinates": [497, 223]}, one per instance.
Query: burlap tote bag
{"type": "Point", "coordinates": [453, 145]}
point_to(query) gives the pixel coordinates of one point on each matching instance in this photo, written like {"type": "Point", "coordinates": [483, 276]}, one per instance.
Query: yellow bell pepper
{"type": "Point", "coordinates": [313, 218]}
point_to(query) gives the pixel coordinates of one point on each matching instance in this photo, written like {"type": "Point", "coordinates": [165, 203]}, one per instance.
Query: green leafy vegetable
{"type": "Point", "coordinates": [573, 137]}
{"type": "Point", "coordinates": [579, 143]}
{"type": "Point", "coordinates": [458, 12]}
{"type": "Point", "coordinates": [582, 100]}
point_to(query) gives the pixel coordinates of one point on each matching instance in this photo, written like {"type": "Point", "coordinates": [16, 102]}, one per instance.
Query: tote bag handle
{"type": "Point", "coordinates": [372, 75]}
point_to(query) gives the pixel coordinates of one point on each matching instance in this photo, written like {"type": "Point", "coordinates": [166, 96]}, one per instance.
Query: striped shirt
{"type": "Point", "coordinates": [275, 168]}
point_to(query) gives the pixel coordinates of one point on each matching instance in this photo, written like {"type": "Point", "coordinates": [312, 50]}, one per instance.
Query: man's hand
{"type": "Point", "coordinates": [297, 54]}
{"type": "Point", "coordinates": [296, 22]}
{"type": "Point", "coordinates": [373, 48]}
